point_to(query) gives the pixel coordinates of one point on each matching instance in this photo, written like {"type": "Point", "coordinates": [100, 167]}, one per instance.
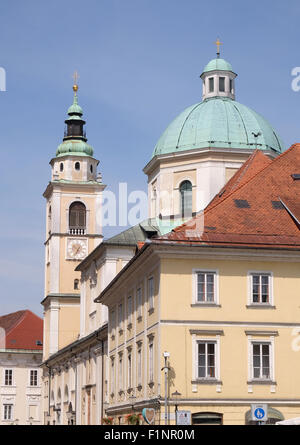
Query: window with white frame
{"type": "Point", "coordinates": [7, 411]}
{"type": "Point", "coordinates": [33, 377]}
{"type": "Point", "coordinates": [261, 360]}
{"type": "Point", "coordinates": [139, 302]}
{"type": "Point", "coordinates": [8, 377]}
{"type": "Point", "coordinates": [129, 310]}
{"type": "Point", "coordinates": [151, 293]}
{"type": "Point", "coordinates": [206, 359]}
{"type": "Point", "coordinates": [261, 288]}
{"type": "Point", "coordinates": [151, 363]}
{"type": "Point", "coordinates": [206, 291]}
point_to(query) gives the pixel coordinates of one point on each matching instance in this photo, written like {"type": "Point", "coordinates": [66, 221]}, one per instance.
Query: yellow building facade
{"type": "Point", "coordinates": [216, 303]}
{"type": "Point", "coordinates": [143, 326]}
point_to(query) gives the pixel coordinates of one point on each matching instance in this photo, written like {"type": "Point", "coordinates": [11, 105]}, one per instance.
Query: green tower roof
{"type": "Point", "coordinates": [218, 64]}
{"type": "Point", "coordinates": [218, 122]}
{"type": "Point", "coordinates": [74, 142]}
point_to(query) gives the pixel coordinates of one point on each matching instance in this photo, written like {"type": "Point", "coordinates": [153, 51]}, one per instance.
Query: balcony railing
{"type": "Point", "coordinates": [77, 231]}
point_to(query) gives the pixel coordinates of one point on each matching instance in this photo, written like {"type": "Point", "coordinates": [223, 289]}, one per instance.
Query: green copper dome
{"type": "Point", "coordinates": [218, 64]}
{"type": "Point", "coordinates": [75, 148]}
{"type": "Point", "coordinates": [218, 122]}
{"type": "Point", "coordinates": [75, 108]}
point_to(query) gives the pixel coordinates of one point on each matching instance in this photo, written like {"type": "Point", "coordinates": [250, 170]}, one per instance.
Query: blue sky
{"type": "Point", "coordinates": [139, 63]}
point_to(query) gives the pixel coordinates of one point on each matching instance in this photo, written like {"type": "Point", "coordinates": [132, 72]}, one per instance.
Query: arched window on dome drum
{"type": "Point", "coordinates": [77, 218]}
{"type": "Point", "coordinates": [186, 201]}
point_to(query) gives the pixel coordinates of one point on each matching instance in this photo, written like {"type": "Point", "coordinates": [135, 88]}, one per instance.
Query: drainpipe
{"type": "Point", "coordinates": [49, 388]}
{"type": "Point", "coordinates": [102, 374]}
{"type": "Point", "coordinates": [75, 390]}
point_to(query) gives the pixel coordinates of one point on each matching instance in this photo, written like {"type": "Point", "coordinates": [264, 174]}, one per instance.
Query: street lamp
{"type": "Point", "coordinates": [132, 399]}
{"type": "Point", "coordinates": [166, 370]}
{"type": "Point", "coordinates": [176, 396]}
{"type": "Point", "coordinates": [70, 414]}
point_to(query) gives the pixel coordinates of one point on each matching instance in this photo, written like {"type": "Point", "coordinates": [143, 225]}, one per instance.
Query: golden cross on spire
{"type": "Point", "coordinates": [218, 43]}
{"type": "Point", "coordinates": [75, 78]}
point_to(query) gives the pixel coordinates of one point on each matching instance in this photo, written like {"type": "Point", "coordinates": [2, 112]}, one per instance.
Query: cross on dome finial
{"type": "Point", "coordinates": [75, 85]}
{"type": "Point", "coordinates": [218, 43]}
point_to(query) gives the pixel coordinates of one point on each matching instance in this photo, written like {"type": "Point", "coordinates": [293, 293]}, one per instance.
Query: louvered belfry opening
{"type": "Point", "coordinates": [77, 219]}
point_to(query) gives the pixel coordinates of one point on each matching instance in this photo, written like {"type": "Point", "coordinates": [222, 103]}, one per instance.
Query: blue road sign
{"type": "Point", "coordinates": [259, 413]}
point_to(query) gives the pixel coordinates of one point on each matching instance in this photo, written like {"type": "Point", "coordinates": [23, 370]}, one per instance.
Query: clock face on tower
{"type": "Point", "coordinates": [76, 248]}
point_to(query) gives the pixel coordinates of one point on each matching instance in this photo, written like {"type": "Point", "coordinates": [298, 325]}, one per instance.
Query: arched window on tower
{"type": "Point", "coordinates": [77, 218]}
{"type": "Point", "coordinates": [186, 201]}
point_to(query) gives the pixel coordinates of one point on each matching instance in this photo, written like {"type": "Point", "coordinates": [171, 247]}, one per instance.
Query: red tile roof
{"type": "Point", "coordinates": [23, 329]}
{"type": "Point", "coordinates": [255, 163]}
{"type": "Point", "coordinates": [261, 222]}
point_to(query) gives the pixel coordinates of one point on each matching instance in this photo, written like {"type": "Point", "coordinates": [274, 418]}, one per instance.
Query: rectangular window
{"type": "Point", "coordinates": [151, 293]}
{"type": "Point", "coordinates": [222, 84]}
{"type": "Point", "coordinates": [260, 288]}
{"type": "Point", "coordinates": [151, 366]}
{"type": "Point", "coordinates": [8, 377]}
{"type": "Point", "coordinates": [211, 84]}
{"type": "Point", "coordinates": [33, 377]}
{"type": "Point", "coordinates": [206, 360]}
{"type": "Point", "coordinates": [129, 310]}
{"type": "Point", "coordinates": [206, 287]}
{"type": "Point", "coordinates": [139, 302]}
{"type": "Point", "coordinates": [7, 414]}
{"type": "Point", "coordinates": [139, 366]}
{"type": "Point", "coordinates": [230, 85]}
{"type": "Point", "coordinates": [261, 361]}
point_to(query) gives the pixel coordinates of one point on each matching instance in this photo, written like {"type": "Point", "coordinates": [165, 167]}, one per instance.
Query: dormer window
{"type": "Point", "coordinates": [211, 84]}
{"type": "Point", "coordinates": [222, 84]}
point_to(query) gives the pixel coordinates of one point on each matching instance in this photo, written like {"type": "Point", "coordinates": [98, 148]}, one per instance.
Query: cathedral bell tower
{"type": "Point", "coordinates": [73, 229]}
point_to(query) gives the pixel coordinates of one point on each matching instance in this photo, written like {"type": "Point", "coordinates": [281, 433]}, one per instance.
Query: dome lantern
{"type": "Point", "coordinates": [218, 78]}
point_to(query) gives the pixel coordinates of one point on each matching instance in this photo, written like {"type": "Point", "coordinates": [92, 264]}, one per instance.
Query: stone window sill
{"type": "Point", "coordinates": [206, 382]}
{"type": "Point", "coordinates": [261, 382]}
{"type": "Point", "coordinates": [205, 304]}
{"type": "Point", "coordinates": [260, 306]}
